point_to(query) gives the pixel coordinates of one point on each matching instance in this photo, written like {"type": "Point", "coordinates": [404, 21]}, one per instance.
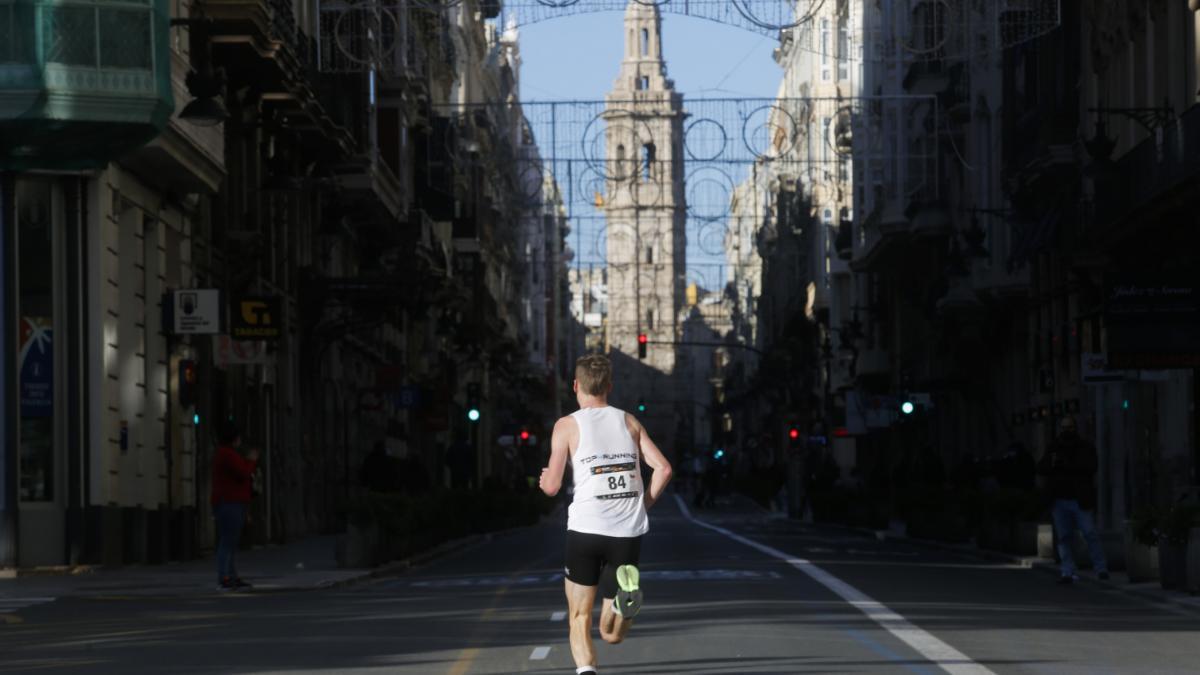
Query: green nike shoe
{"type": "Point", "coordinates": [629, 597]}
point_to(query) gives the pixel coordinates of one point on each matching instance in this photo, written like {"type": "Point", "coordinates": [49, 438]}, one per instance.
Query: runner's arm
{"type": "Point", "coordinates": [654, 459]}
{"type": "Point", "coordinates": [560, 449]}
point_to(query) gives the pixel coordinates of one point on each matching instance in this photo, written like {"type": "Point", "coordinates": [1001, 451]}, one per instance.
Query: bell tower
{"type": "Point", "coordinates": [644, 205]}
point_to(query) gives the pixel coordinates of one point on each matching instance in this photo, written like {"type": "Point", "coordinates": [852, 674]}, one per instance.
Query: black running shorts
{"type": "Point", "coordinates": [594, 558]}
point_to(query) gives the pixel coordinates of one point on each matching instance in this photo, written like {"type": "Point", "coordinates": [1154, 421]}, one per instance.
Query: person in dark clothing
{"type": "Point", "coordinates": [379, 470]}
{"type": "Point", "coordinates": [1069, 467]}
{"type": "Point", "coordinates": [232, 488]}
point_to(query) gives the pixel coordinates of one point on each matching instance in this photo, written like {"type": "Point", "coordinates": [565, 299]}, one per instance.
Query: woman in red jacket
{"type": "Point", "coordinates": [231, 492]}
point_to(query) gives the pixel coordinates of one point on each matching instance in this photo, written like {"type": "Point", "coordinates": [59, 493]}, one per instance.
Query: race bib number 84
{"type": "Point", "coordinates": [616, 481]}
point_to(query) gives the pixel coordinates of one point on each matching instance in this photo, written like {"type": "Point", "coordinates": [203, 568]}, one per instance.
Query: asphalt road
{"type": "Point", "coordinates": [758, 596]}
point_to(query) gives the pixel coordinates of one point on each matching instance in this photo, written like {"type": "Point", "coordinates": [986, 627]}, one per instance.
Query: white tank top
{"type": "Point", "coordinates": [608, 477]}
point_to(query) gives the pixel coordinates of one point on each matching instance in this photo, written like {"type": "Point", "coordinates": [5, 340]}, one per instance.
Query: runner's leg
{"type": "Point", "coordinates": [621, 551]}
{"type": "Point", "coordinates": [613, 626]}
{"type": "Point", "coordinates": [580, 601]}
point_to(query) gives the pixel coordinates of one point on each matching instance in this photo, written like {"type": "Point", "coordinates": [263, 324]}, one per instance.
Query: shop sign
{"type": "Point", "coordinates": [230, 352]}
{"type": "Point", "coordinates": [1153, 324]}
{"type": "Point", "coordinates": [195, 311]}
{"type": "Point", "coordinates": [1094, 369]}
{"type": "Point", "coordinates": [36, 359]}
{"type": "Point", "coordinates": [256, 318]}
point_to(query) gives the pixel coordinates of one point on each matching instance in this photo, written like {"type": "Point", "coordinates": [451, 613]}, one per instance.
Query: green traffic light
{"type": "Point", "coordinates": [473, 414]}
{"type": "Point", "coordinates": [641, 407]}
{"type": "Point", "coordinates": [907, 407]}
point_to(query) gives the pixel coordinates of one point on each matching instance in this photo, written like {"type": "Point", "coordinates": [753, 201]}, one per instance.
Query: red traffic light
{"type": "Point", "coordinates": [642, 339]}
{"type": "Point", "coordinates": [524, 434]}
{"type": "Point", "coordinates": [793, 433]}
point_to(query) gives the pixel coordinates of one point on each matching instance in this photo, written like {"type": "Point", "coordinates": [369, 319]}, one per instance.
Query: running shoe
{"type": "Point", "coordinates": [629, 597]}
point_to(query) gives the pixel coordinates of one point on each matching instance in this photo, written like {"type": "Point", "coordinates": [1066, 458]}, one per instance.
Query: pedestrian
{"type": "Point", "coordinates": [1069, 466]}
{"type": "Point", "coordinates": [232, 488]}
{"type": "Point", "coordinates": [379, 472]}
{"type": "Point", "coordinates": [607, 517]}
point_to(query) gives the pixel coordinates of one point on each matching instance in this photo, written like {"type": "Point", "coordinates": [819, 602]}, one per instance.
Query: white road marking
{"type": "Point", "coordinates": [941, 654]}
{"type": "Point", "coordinates": [558, 616]}
{"type": "Point", "coordinates": [539, 653]}
{"type": "Point", "coordinates": [8, 604]}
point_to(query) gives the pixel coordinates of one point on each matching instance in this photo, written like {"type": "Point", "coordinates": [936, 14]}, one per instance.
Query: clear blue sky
{"type": "Point", "coordinates": [577, 57]}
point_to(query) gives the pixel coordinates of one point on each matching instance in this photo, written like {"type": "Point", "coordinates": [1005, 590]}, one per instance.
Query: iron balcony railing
{"type": "Point", "coordinates": [1150, 170]}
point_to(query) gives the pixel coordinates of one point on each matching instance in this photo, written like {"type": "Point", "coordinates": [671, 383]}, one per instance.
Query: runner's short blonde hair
{"type": "Point", "coordinates": [594, 374]}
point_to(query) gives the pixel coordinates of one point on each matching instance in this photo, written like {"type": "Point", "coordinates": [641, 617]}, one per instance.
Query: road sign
{"type": "Point", "coordinates": [195, 311]}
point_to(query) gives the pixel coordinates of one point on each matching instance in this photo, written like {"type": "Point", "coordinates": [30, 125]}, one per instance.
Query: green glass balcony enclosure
{"type": "Point", "coordinates": [81, 82]}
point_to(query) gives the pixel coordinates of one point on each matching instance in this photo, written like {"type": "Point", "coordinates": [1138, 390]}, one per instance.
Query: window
{"type": "Point", "coordinates": [649, 319]}
{"type": "Point", "coordinates": [649, 255]}
{"type": "Point", "coordinates": [827, 128]}
{"type": "Point", "coordinates": [826, 72]}
{"type": "Point", "coordinates": [843, 51]}
{"type": "Point", "coordinates": [645, 42]}
{"type": "Point", "coordinates": [620, 161]}
{"type": "Point", "coordinates": [648, 152]}
{"type": "Point", "coordinates": [644, 83]}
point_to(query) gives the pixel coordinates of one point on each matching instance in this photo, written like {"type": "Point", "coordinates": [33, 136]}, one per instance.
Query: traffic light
{"type": "Point", "coordinates": [719, 453]}
{"type": "Point", "coordinates": [187, 383]}
{"type": "Point", "coordinates": [473, 408]}
{"type": "Point", "coordinates": [908, 407]}
{"type": "Point", "coordinates": [524, 436]}
{"type": "Point", "coordinates": [641, 405]}
{"type": "Point", "coordinates": [793, 434]}
{"type": "Point", "coordinates": [642, 342]}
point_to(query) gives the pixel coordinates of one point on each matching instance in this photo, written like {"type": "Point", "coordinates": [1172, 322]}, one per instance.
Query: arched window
{"type": "Point", "coordinates": [620, 160]}
{"type": "Point", "coordinates": [648, 152]}
{"type": "Point", "coordinates": [645, 42]}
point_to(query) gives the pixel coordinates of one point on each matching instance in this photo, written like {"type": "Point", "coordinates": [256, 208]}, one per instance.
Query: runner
{"type": "Point", "coordinates": [607, 517]}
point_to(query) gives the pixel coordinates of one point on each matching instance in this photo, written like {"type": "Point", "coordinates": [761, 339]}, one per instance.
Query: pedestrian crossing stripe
{"type": "Point", "coordinates": [9, 605]}
{"type": "Point", "coordinates": [557, 577]}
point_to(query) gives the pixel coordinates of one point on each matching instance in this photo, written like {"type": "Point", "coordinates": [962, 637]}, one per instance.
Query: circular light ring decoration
{"type": "Point", "coordinates": [940, 8]}
{"type": "Point", "coordinates": [646, 193]}
{"type": "Point", "coordinates": [710, 191]}
{"type": "Point", "coordinates": [636, 239]}
{"type": "Point", "coordinates": [591, 184]}
{"type": "Point", "coordinates": [711, 238]}
{"type": "Point", "coordinates": [701, 135]}
{"type": "Point", "coordinates": [746, 9]}
{"type": "Point", "coordinates": [531, 178]}
{"type": "Point", "coordinates": [595, 143]}
{"type": "Point", "coordinates": [364, 16]}
{"type": "Point", "coordinates": [769, 121]}
{"type": "Point", "coordinates": [840, 135]}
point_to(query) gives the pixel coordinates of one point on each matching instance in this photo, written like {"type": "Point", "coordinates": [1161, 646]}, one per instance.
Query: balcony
{"type": "Point", "coordinates": [81, 84]}
{"type": "Point", "coordinates": [1148, 174]}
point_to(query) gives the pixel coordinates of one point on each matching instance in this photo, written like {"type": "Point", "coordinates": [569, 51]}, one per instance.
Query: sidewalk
{"type": "Point", "coordinates": [1119, 581]}
{"type": "Point", "coordinates": [303, 565]}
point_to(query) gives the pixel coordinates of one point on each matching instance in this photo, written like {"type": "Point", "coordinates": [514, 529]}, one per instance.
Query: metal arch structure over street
{"type": "Point", "coordinates": [738, 154]}
{"type": "Point", "coordinates": [372, 35]}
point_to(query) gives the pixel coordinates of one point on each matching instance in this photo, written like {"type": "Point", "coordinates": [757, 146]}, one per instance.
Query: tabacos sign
{"type": "Point", "coordinates": [256, 318]}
